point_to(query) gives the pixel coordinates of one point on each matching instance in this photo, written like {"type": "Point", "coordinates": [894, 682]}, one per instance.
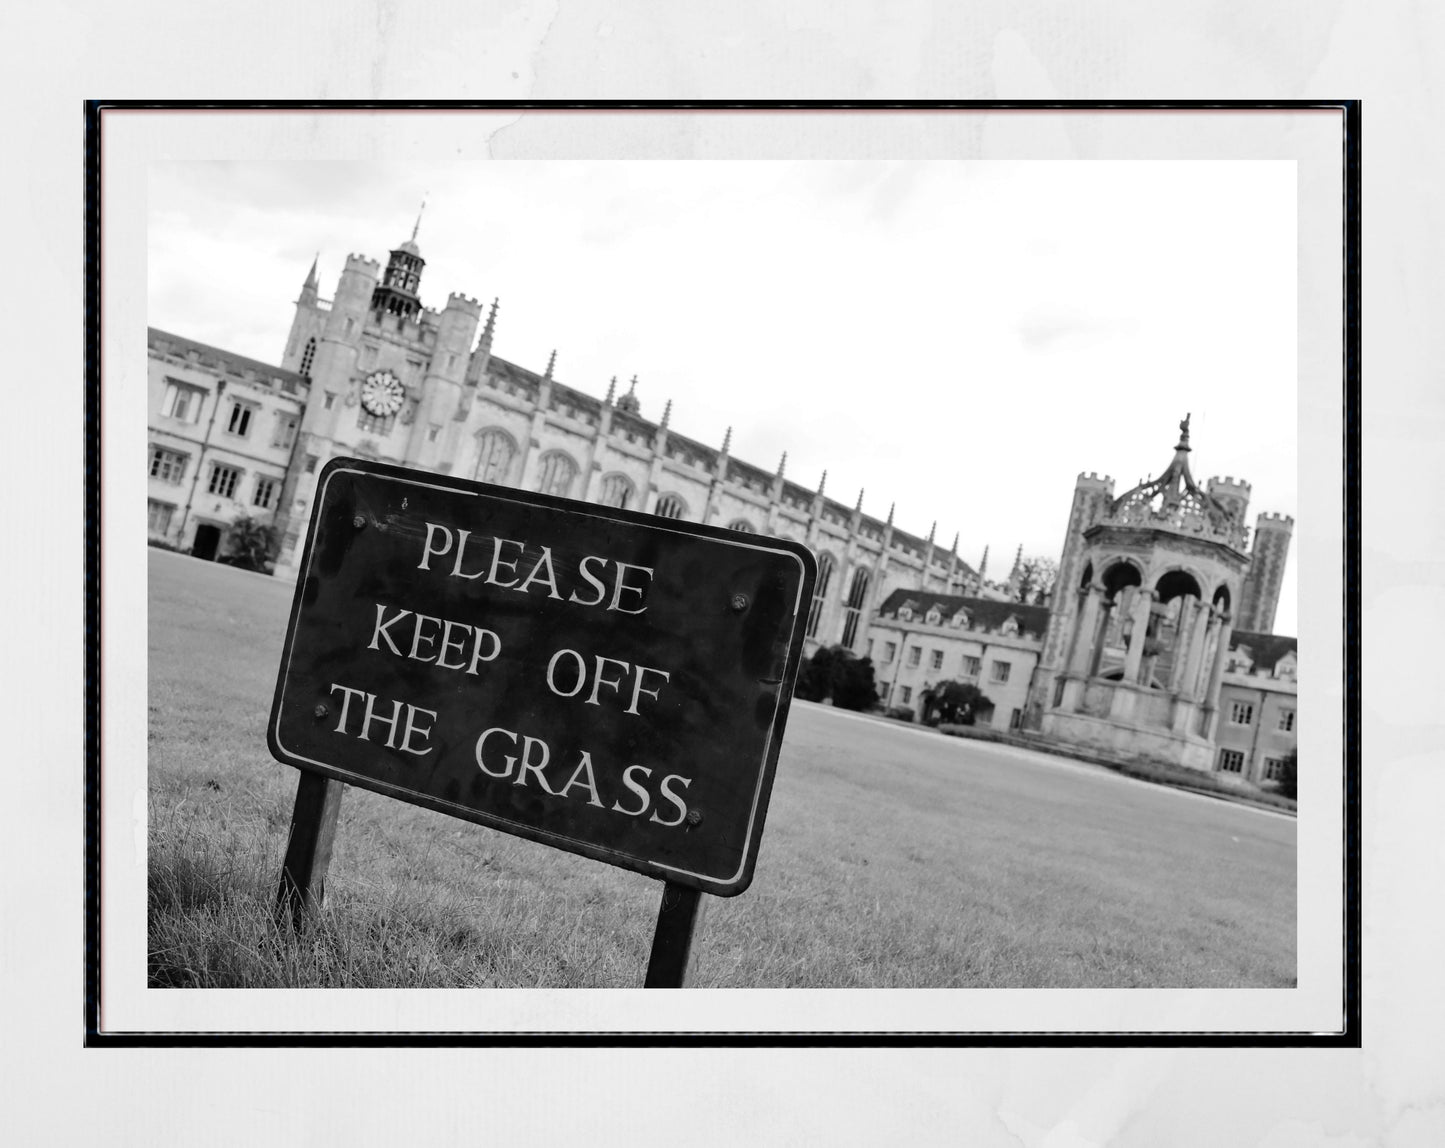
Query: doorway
{"type": "Point", "coordinates": [207, 541]}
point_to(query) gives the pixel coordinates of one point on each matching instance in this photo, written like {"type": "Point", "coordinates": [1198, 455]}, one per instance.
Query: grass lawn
{"type": "Point", "coordinates": [892, 857]}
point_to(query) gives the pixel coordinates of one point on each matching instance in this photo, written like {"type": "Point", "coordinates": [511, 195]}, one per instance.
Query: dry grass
{"type": "Point", "coordinates": [892, 857]}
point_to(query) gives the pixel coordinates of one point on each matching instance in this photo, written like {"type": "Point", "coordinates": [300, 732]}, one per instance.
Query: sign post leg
{"type": "Point", "coordinates": [308, 848]}
{"type": "Point", "coordinates": [670, 966]}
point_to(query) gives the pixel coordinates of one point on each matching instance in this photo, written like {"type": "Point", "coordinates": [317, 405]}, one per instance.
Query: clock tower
{"type": "Point", "coordinates": [387, 375]}
{"type": "Point", "coordinates": [396, 294]}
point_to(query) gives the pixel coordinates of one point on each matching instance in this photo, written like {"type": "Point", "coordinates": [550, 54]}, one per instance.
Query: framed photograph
{"type": "Point", "coordinates": [997, 448]}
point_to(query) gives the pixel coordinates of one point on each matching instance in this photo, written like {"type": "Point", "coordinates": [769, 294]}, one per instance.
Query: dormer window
{"type": "Point", "coordinates": [905, 613]}
{"type": "Point", "coordinates": [961, 620]}
{"type": "Point", "coordinates": [934, 616]}
{"type": "Point", "coordinates": [1010, 626]}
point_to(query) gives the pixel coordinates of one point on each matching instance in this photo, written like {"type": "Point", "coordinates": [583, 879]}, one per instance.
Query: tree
{"type": "Point", "coordinates": [1036, 580]}
{"type": "Point", "coordinates": [837, 673]}
{"type": "Point", "coordinates": [958, 703]}
{"type": "Point", "coordinates": [1287, 782]}
{"type": "Point", "coordinates": [251, 544]}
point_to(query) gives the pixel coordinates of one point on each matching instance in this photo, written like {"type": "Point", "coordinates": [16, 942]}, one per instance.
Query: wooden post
{"type": "Point", "coordinates": [308, 847]}
{"type": "Point", "coordinates": [670, 966]}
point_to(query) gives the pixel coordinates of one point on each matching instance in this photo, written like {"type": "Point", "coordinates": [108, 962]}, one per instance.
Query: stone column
{"type": "Point", "coordinates": [1216, 672]}
{"type": "Point", "coordinates": [1082, 652]}
{"type": "Point", "coordinates": [1143, 600]}
{"type": "Point", "coordinates": [1203, 619]}
{"type": "Point", "coordinates": [1101, 633]}
{"type": "Point", "coordinates": [1182, 635]}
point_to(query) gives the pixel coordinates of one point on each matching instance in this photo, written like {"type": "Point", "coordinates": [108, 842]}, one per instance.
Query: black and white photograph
{"type": "Point", "coordinates": [726, 573]}
{"type": "Point", "coordinates": [1036, 436]}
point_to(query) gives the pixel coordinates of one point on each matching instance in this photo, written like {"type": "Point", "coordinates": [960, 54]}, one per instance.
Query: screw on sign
{"type": "Point", "coordinates": [605, 682]}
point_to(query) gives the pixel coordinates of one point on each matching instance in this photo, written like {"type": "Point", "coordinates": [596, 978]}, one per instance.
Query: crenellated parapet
{"type": "Point", "coordinates": [456, 301]}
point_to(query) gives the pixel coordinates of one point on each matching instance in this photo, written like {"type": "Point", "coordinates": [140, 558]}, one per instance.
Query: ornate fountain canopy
{"type": "Point", "coordinates": [1175, 502]}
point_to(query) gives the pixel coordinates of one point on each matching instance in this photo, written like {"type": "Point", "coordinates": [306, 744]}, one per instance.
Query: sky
{"type": "Point", "coordinates": [960, 339]}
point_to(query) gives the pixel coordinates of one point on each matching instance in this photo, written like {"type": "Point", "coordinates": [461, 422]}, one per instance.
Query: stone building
{"type": "Point", "coordinates": [1258, 704]}
{"type": "Point", "coordinates": [919, 640]}
{"type": "Point", "coordinates": [1137, 655]}
{"type": "Point", "coordinates": [1143, 611]}
{"type": "Point", "coordinates": [396, 381]}
{"type": "Point", "coordinates": [221, 430]}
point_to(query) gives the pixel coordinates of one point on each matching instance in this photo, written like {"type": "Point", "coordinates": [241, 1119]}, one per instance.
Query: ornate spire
{"type": "Point", "coordinates": [822, 484]}
{"type": "Point", "coordinates": [954, 548]}
{"type": "Point", "coordinates": [783, 464]}
{"type": "Point", "coordinates": [727, 438]}
{"type": "Point", "coordinates": [892, 506]}
{"type": "Point", "coordinates": [310, 284]}
{"type": "Point", "coordinates": [859, 506]}
{"type": "Point", "coordinates": [415, 227]}
{"type": "Point", "coordinates": [611, 390]}
{"type": "Point", "coordinates": [932, 530]}
{"type": "Point", "coordinates": [551, 362]}
{"type": "Point", "coordinates": [983, 563]}
{"type": "Point", "coordinates": [1183, 443]}
{"type": "Point", "coordinates": [491, 327]}
{"type": "Point", "coordinates": [666, 414]}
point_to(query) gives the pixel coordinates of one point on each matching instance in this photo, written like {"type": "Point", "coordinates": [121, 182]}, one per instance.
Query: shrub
{"type": "Point", "coordinates": [251, 544]}
{"type": "Point", "coordinates": [957, 703]}
{"type": "Point", "coordinates": [837, 673]}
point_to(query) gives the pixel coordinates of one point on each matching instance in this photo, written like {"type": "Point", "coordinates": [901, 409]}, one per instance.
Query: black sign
{"type": "Point", "coordinates": [607, 682]}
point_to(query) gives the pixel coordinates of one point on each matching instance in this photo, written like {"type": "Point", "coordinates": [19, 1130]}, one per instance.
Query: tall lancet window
{"type": "Point", "coordinates": [617, 490]}
{"type": "Point", "coordinates": [495, 451]}
{"type": "Point", "coordinates": [306, 356]}
{"type": "Point", "coordinates": [857, 599]}
{"type": "Point", "coordinates": [556, 473]}
{"type": "Point", "coordinates": [826, 566]}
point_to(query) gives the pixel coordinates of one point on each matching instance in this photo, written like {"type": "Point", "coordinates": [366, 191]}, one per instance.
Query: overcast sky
{"type": "Point", "coordinates": [959, 338]}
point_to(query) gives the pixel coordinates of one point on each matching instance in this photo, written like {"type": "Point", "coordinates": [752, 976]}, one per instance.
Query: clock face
{"type": "Point", "coordinates": [381, 393]}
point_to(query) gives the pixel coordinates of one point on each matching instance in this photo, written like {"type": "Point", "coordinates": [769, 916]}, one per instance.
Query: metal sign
{"type": "Point", "coordinates": [606, 682]}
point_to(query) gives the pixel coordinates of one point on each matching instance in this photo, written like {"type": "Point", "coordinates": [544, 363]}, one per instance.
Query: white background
{"type": "Point", "coordinates": [1387, 1093]}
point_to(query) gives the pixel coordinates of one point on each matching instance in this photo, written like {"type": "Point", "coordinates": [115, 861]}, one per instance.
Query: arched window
{"type": "Point", "coordinates": [555, 473]}
{"type": "Point", "coordinates": [743, 526]}
{"type": "Point", "coordinates": [495, 451]}
{"type": "Point", "coordinates": [670, 506]}
{"type": "Point", "coordinates": [857, 598]}
{"type": "Point", "coordinates": [826, 566]}
{"type": "Point", "coordinates": [306, 357]}
{"type": "Point", "coordinates": [617, 490]}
